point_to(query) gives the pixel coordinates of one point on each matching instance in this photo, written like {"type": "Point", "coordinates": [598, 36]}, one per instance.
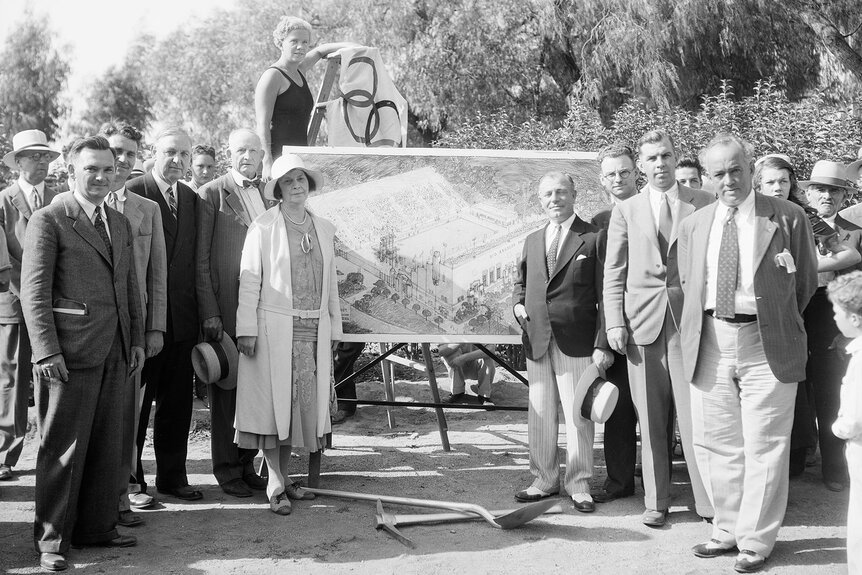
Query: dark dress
{"type": "Point", "coordinates": [290, 115]}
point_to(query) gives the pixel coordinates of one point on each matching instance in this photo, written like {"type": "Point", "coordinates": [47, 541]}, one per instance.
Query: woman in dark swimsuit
{"type": "Point", "coordinates": [282, 100]}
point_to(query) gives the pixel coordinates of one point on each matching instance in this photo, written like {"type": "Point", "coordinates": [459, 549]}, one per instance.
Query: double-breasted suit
{"type": "Point", "coordinates": [744, 374]}
{"type": "Point", "coordinates": [93, 319]}
{"type": "Point", "coordinates": [223, 222]}
{"type": "Point", "coordinates": [563, 328]}
{"type": "Point", "coordinates": [168, 376]}
{"type": "Point", "coordinates": [644, 296]}
{"type": "Point", "coordinates": [15, 366]}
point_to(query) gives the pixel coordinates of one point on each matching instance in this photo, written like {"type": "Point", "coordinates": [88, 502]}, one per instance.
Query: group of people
{"type": "Point", "coordinates": [712, 307]}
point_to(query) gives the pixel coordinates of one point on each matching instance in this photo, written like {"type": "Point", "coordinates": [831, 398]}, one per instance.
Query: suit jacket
{"type": "Point", "coordinates": [639, 288]}
{"type": "Point", "coordinates": [180, 233]}
{"type": "Point", "coordinates": [781, 296]}
{"type": "Point", "coordinates": [222, 225]}
{"type": "Point", "coordinates": [853, 214]}
{"type": "Point", "coordinates": [602, 219]}
{"type": "Point", "coordinates": [850, 235]}
{"type": "Point", "coordinates": [15, 214]}
{"type": "Point", "coordinates": [569, 303]}
{"type": "Point", "coordinates": [66, 265]}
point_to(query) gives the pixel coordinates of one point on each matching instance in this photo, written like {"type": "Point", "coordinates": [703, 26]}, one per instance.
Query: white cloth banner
{"type": "Point", "coordinates": [370, 112]}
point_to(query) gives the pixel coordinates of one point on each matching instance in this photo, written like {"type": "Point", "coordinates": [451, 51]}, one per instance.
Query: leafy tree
{"type": "Point", "coordinates": [32, 76]}
{"type": "Point", "coordinates": [118, 95]}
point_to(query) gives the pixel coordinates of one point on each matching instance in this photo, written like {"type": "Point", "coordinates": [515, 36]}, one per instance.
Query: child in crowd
{"type": "Point", "coordinates": [845, 293]}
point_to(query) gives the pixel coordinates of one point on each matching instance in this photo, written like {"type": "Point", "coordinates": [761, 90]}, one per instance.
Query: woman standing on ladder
{"type": "Point", "coordinates": [282, 99]}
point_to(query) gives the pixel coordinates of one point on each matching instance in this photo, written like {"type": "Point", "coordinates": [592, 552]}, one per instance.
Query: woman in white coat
{"type": "Point", "coordinates": [288, 322]}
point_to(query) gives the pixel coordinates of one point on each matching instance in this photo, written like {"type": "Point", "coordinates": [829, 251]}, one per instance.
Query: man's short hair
{"type": "Point", "coordinates": [201, 149]}
{"type": "Point", "coordinates": [655, 137]}
{"type": "Point", "coordinates": [845, 291]}
{"type": "Point", "coordinates": [88, 143]}
{"type": "Point", "coordinates": [617, 150]}
{"type": "Point", "coordinates": [727, 139]}
{"type": "Point", "coordinates": [287, 25]}
{"type": "Point", "coordinates": [172, 131]}
{"type": "Point", "coordinates": [558, 175]}
{"type": "Point", "coordinates": [125, 130]}
{"type": "Point", "coordinates": [687, 162]}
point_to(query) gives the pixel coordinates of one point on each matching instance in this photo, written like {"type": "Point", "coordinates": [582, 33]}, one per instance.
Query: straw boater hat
{"type": "Point", "coordinates": [28, 141]}
{"type": "Point", "coordinates": [283, 165]}
{"type": "Point", "coordinates": [596, 396]}
{"type": "Point", "coordinates": [827, 173]}
{"type": "Point", "coordinates": [216, 361]}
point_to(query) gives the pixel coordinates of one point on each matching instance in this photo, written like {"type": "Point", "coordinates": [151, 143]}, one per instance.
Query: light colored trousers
{"type": "Point", "coordinates": [742, 416]}
{"type": "Point", "coordinates": [854, 511]}
{"type": "Point", "coordinates": [552, 382]}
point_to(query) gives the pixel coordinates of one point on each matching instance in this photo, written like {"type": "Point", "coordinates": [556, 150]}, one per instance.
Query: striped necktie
{"type": "Point", "coordinates": [172, 201]}
{"type": "Point", "coordinates": [99, 223]}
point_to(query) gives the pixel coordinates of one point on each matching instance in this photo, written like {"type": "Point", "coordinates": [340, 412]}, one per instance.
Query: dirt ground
{"type": "Point", "coordinates": [487, 465]}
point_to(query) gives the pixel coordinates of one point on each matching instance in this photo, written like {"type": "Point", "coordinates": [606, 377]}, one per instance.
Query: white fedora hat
{"type": "Point", "coordinates": [216, 362]}
{"type": "Point", "coordinates": [283, 165]}
{"type": "Point", "coordinates": [827, 173]}
{"type": "Point", "coordinates": [28, 141]}
{"type": "Point", "coordinates": [595, 396]}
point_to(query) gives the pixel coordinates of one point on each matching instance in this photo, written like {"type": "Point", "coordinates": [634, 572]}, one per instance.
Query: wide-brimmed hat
{"type": "Point", "coordinates": [28, 141]}
{"type": "Point", "coordinates": [827, 173]}
{"type": "Point", "coordinates": [283, 165]}
{"type": "Point", "coordinates": [216, 362]}
{"type": "Point", "coordinates": [595, 395]}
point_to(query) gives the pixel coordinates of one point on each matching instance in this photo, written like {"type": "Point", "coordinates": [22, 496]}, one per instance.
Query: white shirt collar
{"type": "Point", "coordinates": [88, 206]}
{"type": "Point", "coordinates": [121, 194]}
{"type": "Point", "coordinates": [162, 184]}
{"type": "Point", "coordinates": [238, 178]}
{"type": "Point", "coordinates": [566, 224]}
{"type": "Point", "coordinates": [746, 208]}
{"type": "Point", "coordinates": [672, 192]}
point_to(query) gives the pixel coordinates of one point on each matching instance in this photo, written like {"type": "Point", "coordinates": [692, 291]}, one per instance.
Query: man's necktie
{"type": "Point", "coordinates": [728, 269]}
{"type": "Point", "coordinates": [665, 227]}
{"type": "Point", "coordinates": [551, 256]}
{"type": "Point", "coordinates": [37, 201]}
{"type": "Point", "coordinates": [172, 201]}
{"type": "Point", "coordinates": [251, 183]}
{"type": "Point", "coordinates": [103, 232]}
{"type": "Point", "coordinates": [114, 202]}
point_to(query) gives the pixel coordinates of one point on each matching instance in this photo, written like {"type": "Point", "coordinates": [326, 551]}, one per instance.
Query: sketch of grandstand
{"type": "Point", "coordinates": [428, 241]}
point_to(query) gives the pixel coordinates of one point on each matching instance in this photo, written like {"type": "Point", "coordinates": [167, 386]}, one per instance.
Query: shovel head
{"type": "Point", "coordinates": [525, 514]}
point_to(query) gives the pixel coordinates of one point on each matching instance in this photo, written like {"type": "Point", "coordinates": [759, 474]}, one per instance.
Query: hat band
{"type": "Point", "coordinates": [592, 391]}
{"type": "Point", "coordinates": [829, 181]}
{"type": "Point", "coordinates": [221, 356]}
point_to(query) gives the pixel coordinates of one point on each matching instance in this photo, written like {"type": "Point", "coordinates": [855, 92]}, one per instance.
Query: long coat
{"type": "Point", "coordinates": [263, 400]}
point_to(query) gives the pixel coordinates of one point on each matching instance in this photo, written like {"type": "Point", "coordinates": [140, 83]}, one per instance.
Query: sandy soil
{"type": "Point", "coordinates": [487, 465]}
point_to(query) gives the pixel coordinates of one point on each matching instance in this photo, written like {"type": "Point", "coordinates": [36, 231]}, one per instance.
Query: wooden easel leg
{"type": "Point", "coordinates": [388, 385]}
{"type": "Point", "coordinates": [314, 468]}
{"type": "Point", "coordinates": [435, 393]}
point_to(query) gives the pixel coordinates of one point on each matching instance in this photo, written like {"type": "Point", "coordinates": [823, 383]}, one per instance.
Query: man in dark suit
{"type": "Point", "coordinates": [87, 335]}
{"type": "Point", "coordinates": [30, 157]}
{"type": "Point", "coordinates": [619, 176]}
{"type": "Point", "coordinates": [748, 268]}
{"type": "Point", "coordinates": [643, 303]}
{"type": "Point", "coordinates": [826, 191]}
{"type": "Point", "coordinates": [226, 208]}
{"type": "Point", "coordinates": [168, 375]}
{"type": "Point", "coordinates": [557, 299]}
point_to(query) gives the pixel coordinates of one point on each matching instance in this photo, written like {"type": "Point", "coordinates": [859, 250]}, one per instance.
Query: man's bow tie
{"type": "Point", "coordinates": [251, 183]}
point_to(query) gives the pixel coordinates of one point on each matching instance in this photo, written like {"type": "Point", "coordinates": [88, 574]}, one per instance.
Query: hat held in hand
{"type": "Point", "coordinates": [595, 396]}
{"type": "Point", "coordinates": [216, 361]}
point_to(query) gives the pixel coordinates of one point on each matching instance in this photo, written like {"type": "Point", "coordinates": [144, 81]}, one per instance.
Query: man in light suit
{"type": "Point", "coordinates": [148, 243]}
{"type": "Point", "coordinates": [30, 156]}
{"type": "Point", "coordinates": [168, 375]}
{"type": "Point", "coordinates": [226, 208]}
{"type": "Point", "coordinates": [643, 303]}
{"type": "Point", "coordinates": [748, 269]}
{"type": "Point", "coordinates": [557, 299]}
{"type": "Point", "coordinates": [87, 336]}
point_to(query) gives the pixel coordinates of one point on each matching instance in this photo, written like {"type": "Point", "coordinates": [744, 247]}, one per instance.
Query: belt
{"type": "Point", "coordinates": [301, 313]}
{"type": "Point", "coordinates": [738, 318]}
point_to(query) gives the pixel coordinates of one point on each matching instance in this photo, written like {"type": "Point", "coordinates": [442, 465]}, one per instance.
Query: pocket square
{"type": "Point", "coordinates": [581, 257]}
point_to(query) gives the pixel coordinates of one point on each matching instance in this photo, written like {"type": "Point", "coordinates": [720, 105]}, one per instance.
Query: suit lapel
{"type": "Point", "coordinates": [233, 200]}
{"type": "Point", "coordinates": [85, 228]}
{"type": "Point", "coordinates": [571, 244]}
{"type": "Point", "coordinates": [132, 211]}
{"type": "Point", "coordinates": [764, 228]}
{"type": "Point", "coordinates": [686, 208]}
{"type": "Point", "coordinates": [21, 203]}
{"type": "Point", "coordinates": [643, 218]}
{"type": "Point", "coordinates": [154, 193]}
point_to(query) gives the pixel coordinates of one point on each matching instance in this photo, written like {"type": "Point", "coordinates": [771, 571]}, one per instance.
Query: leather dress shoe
{"type": "Point", "coordinates": [583, 503]}
{"type": "Point", "coordinates": [710, 549]}
{"type": "Point", "coordinates": [5, 472]}
{"type": "Point", "coordinates": [748, 562]}
{"type": "Point", "coordinates": [236, 488]}
{"type": "Point", "coordinates": [140, 500]}
{"type": "Point", "coordinates": [254, 481]}
{"type": "Point", "coordinates": [608, 496]}
{"type": "Point", "coordinates": [183, 492]}
{"type": "Point", "coordinates": [129, 519]}
{"type": "Point", "coordinates": [118, 541]}
{"type": "Point", "coordinates": [53, 562]}
{"type": "Point", "coordinates": [295, 491]}
{"type": "Point", "coordinates": [654, 518]}
{"type": "Point", "coordinates": [532, 494]}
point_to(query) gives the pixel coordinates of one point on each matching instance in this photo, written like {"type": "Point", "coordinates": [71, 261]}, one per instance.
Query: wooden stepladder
{"type": "Point", "coordinates": [333, 65]}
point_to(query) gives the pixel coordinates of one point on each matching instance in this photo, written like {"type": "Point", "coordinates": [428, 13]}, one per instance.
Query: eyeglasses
{"type": "Point", "coordinates": [622, 174]}
{"type": "Point", "coordinates": [35, 156]}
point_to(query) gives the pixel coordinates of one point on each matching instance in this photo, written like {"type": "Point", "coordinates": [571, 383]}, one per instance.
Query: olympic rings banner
{"type": "Point", "coordinates": [370, 112]}
{"type": "Point", "coordinates": [428, 239]}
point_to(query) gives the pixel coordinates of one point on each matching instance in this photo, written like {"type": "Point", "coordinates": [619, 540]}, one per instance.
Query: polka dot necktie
{"type": "Point", "coordinates": [728, 269]}
{"type": "Point", "coordinates": [551, 256]}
